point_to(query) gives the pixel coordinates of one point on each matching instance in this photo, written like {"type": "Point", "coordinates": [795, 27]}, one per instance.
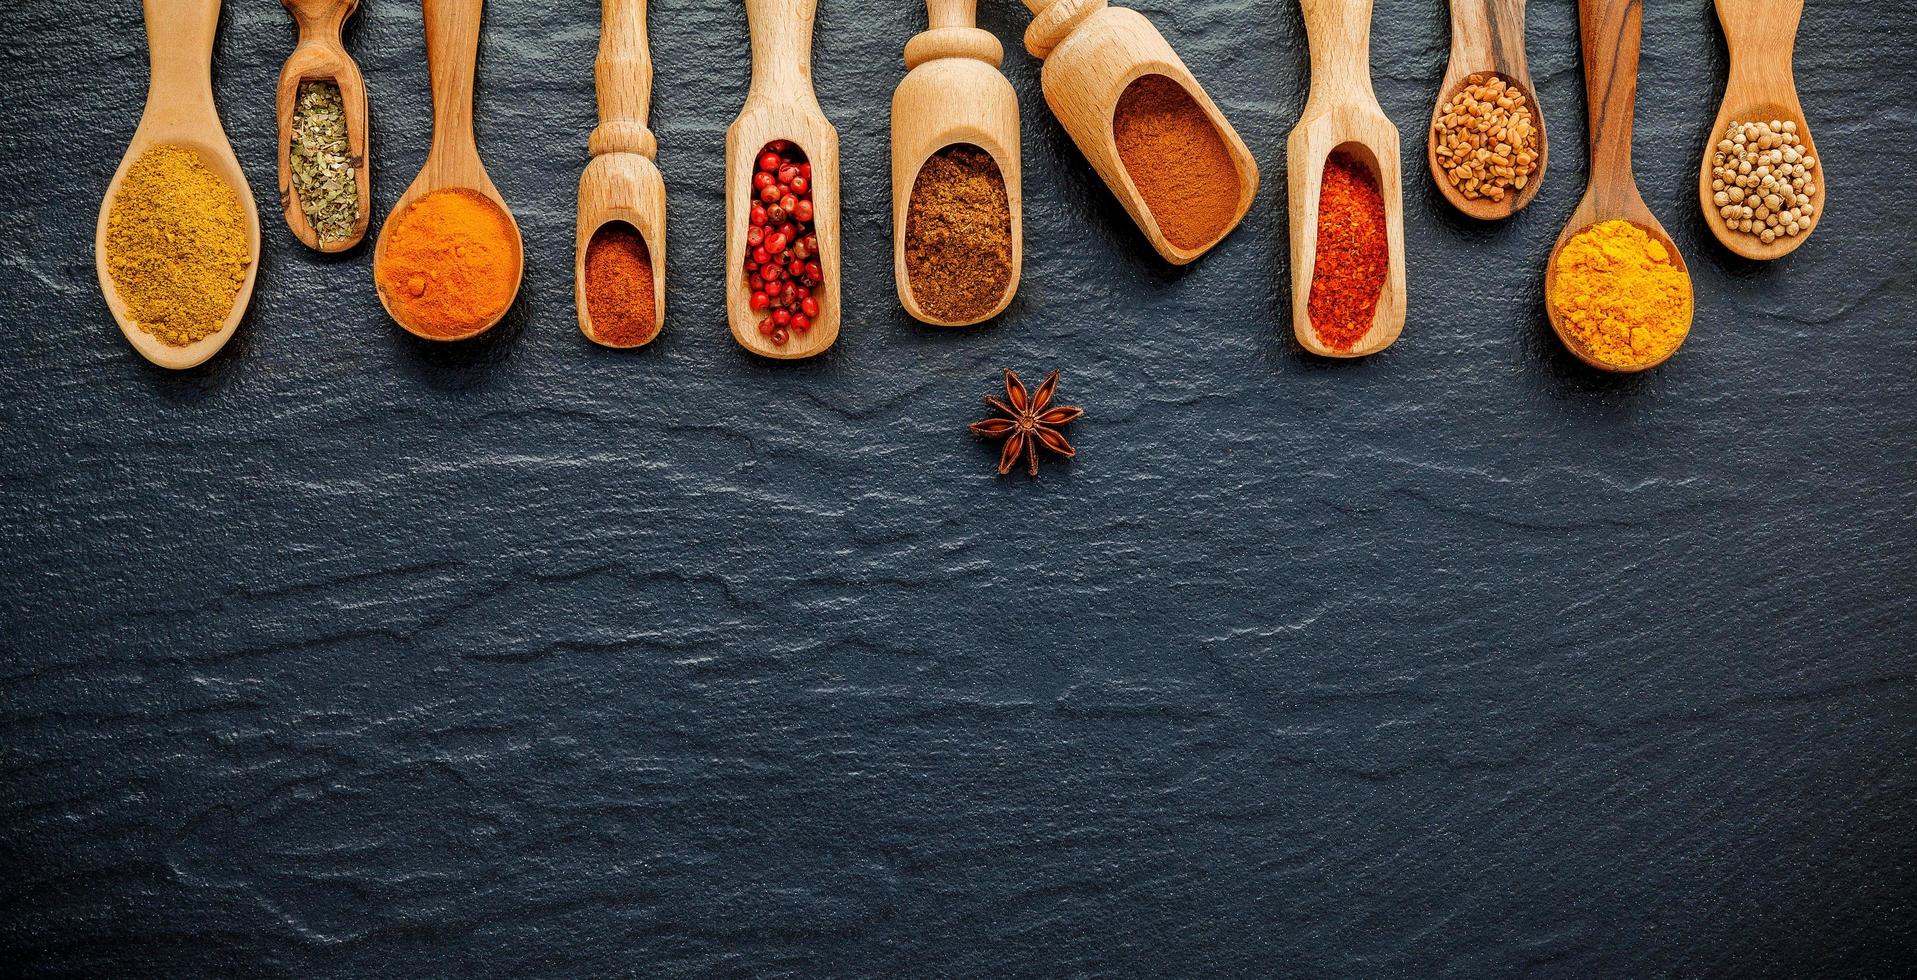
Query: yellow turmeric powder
{"type": "Point", "coordinates": [176, 246]}
{"type": "Point", "coordinates": [448, 265]}
{"type": "Point", "coordinates": [1619, 296]}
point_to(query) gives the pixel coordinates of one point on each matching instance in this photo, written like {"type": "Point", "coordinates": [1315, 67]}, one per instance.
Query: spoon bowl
{"type": "Point", "coordinates": [1760, 36]}
{"type": "Point", "coordinates": [452, 48]}
{"type": "Point", "coordinates": [320, 57]}
{"type": "Point", "coordinates": [1487, 38]}
{"type": "Point", "coordinates": [622, 183]}
{"type": "Point", "coordinates": [180, 112]}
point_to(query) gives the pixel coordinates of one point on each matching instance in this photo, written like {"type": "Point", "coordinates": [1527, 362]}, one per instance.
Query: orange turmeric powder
{"type": "Point", "coordinates": [448, 263]}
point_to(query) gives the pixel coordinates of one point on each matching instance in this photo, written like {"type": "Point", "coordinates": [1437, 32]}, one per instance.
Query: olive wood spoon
{"type": "Point", "coordinates": [780, 104]}
{"type": "Point", "coordinates": [452, 49]}
{"type": "Point", "coordinates": [622, 183]}
{"type": "Point", "coordinates": [1612, 31]}
{"type": "Point", "coordinates": [320, 57]}
{"type": "Point", "coordinates": [180, 112]}
{"type": "Point", "coordinates": [1487, 37]}
{"type": "Point", "coordinates": [1342, 114]}
{"type": "Point", "coordinates": [1760, 35]}
{"type": "Point", "coordinates": [1092, 53]}
{"type": "Point", "coordinates": [953, 93]}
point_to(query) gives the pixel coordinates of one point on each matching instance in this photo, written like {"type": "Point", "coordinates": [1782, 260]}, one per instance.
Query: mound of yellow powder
{"type": "Point", "coordinates": [1619, 296]}
{"type": "Point", "coordinates": [176, 245]}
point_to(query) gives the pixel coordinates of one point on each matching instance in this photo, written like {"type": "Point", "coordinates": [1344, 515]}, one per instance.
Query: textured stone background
{"type": "Point", "coordinates": [349, 655]}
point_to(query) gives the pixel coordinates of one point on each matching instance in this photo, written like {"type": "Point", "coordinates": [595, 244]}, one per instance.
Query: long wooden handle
{"type": "Point", "coordinates": [179, 39]}
{"type": "Point", "coordinates": [951, 13]}
{"type": "Point", "coordinates": [1612, 31]}
{"type": "Point", "coordinates": [319, 20]}
{"type": "Point", "coordinates": [1488, 34]}
{"type": "Point", "coordinates": [623, 74]}
{"type": "Point", "coordinates": [1761, 35]}
{"type": "Point", "coordinates": [1339, 32]}
{"type": "Point", "coordinates": [452, 49]}
{"type": "Point", "coordinates": [781, 47]}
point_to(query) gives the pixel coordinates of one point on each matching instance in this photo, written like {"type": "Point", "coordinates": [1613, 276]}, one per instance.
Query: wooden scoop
{"type": "Point", "coordinates": [1612, 31]}
{"type": "Point", "coordinates": [1092, 54]}
{"type": "Point", "coordinates": [1487, 37]}
{"type": "Point", "coordinates": [780, 104]}
{"type": "Point", "coordinates": [1760, 34]}
{"type": "Point", "coordinates": [622, 183]}
{"type": "Point", "coordinates": [320, 57]}
{"type": "Point", "coordinates": [953, 93]}
{"type": "Point", "coordinates": [1342, 114]}
{"type": "Point", "coordinates": [180, 112]}
{"type": "Point", "coordinates": [452, 49]}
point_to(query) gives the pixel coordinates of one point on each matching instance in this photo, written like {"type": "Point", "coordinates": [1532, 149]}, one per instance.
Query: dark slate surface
{"type": "Point", "coordinates": [346, 655]}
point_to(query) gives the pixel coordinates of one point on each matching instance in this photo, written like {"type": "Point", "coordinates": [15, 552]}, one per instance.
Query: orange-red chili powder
{"type": "Point", "coordinates": [619, 294]}
{"type": "Point", "coordinates": [1353, 253]}
{"type": "Point", "coordinates": [1177, 160]}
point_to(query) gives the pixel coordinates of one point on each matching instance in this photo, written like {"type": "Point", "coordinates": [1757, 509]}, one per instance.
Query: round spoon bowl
{"type": "Point", "coordinates": [413, 194]}
{"type": "Point", "coordinates": [622, 188]}
{"type": "Point", "coordinates": [1650, 227]}
{"type": "Point", "coordinates": [1747, 245]}
{"type": "Point", "coordinates": [1482, 208]}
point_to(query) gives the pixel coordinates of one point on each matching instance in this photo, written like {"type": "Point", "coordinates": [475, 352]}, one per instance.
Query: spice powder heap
{"type": "Point", "coordinates": [324, 178]}
{"type": "Point", "coordinates": [1177, 160]}
{"type": "Point", "coordinates": [1620, 297]}
{"type": "Point", "coordinates": [176, 246]}
{"type": "Point", "coordinates": [1487, 139]}
{"type": "Point", "coordinates": [447, 264]}
{"type": "Point", "coordinates": [619, 287]}
{"type": "Point", "coordinates": [1353, 254]}
{"type": "Point", "coordinates": [958, 234]}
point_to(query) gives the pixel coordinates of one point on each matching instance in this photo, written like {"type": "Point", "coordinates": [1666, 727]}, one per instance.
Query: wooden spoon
{"type": "Point", "coordinates": [780, 104]}
{"type": "Point", "coordinates": [953, 93]}
{"type": "Point", "coordinates": [1342, 114]}
{"type": "Point", "coordinates": [1760, 34]}
{"type": "Point", "coordinates": [1487, 37]}
{"type": "Point", "coordinates": [1092, 53]}
{"type": "Point", "coordinates": [1612, 31]}
{"type": "Point", "coordinates": [180, 112]}
{"type": "Point", "coordinates": [622, 183]}
{"type": "Point", "coordinates": [320, 57]}
{"type": "Point", "coordinates": [452, 49]}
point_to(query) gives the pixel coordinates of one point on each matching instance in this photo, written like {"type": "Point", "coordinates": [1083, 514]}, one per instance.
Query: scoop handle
{"type": "Point", "coordinates": [951, 13]}
{"type": "Point", "coordinates": [781, 48]}
{"type": "Point", "coordinates": [319, 20]}
{"type": "Point", "coordinates": [452, 50]}
{"type": "Point", "coordinates": [623, 74]}
{"type": "Point", "coordinates": [1339, 32]}
{"type": "Point", "coordinates": [1612, 33]}
{"type": "Point", "coordinates": [179, 38]}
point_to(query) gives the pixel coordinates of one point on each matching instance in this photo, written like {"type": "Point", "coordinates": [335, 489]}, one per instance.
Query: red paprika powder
{"type": "Point", "coordinates": [619, 286]}
{"type": "Point", "coordinates": [1353, 253]}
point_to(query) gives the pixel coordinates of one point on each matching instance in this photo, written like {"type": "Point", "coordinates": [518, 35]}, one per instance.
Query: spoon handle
{"type": "Point", "coordinates": [781, 49]}
{"type": "Point", "coordinates": [1339, 32]}
{"type": "Point", "coordinates": [179, 38]}
{"type": "Point", "coordinates": [452, 48]}
{"type": "Point", "coordinates": [1761, 35]}
{"type": "Point", "coordinates": [1488, 34]}
{"type": "Point", "coordinates": [623, 74]}
{"type": "Point", "coordinates": [1612, 32]}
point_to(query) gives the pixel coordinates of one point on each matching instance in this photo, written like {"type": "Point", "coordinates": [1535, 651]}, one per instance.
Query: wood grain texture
{"type": "Point", "coordinates": [1487, 36]}
{"type": "Point", "coordinates": [1611, 32]}
{"type": "Point", "coordinates": [452, 52]}
{"type": "Point", "coordinates": [180, 112]}
{"type": "Point", "coordinates": [781, 104]}
{"type": "Point", "coordinates": [621, 182]}
{"type": "Point", "coordinates": [953, 93]}
{"type": "Point", "coordinates": [1092, 53]}
{"type": "Point", "coordinates": [1761, 35]}
{"type": "Point", "coordinates": [1342, 113]}
{"type": "Point", "coordinates": [319, 56]}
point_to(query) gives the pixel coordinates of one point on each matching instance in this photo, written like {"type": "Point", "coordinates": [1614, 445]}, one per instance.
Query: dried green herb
{"type": "Point", "coordinates": [323, 173]}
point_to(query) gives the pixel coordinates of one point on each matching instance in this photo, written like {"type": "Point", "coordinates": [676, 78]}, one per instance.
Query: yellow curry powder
{"type": "Point", "coordinates": [176, 245]}
{"type": "Point", "coordinates": [447, 264]}
{"type": "Point", "coordinates": [1619, 295]}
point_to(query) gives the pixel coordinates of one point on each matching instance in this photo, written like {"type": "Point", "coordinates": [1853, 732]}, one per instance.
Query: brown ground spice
{"type": "Point", "coordinates": [958, 234]}
{"type": "Point", "coordinates": [1177, 160]}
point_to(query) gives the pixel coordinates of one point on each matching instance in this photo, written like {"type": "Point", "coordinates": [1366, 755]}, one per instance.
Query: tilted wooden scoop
{"type": "Point", "coordinates": [1612, 31]}
{"type": "Point", "coordinates": [1487, 37]}
{"type": "Point", "coordinates": [953, 93]}
{"type": "Point", "coordinates": [1342, 114]}
{"type": "Point", "coordinates": [622, 183]}
{"type": "Point", "coordinates": [1760, 34]}
{"type": "Point", "coordinates": [320, 57]}
{"type": "Point", "coordinates": [452, 49]}
{"type": "Point", "coordinates": [180, 112]}
{"type": "Point", "coordinates": [1092, 53]}
{"type": "Point", "coordinates": [780, 104]}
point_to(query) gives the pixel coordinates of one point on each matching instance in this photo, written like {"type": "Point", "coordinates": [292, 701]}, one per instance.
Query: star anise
{"type": "Point", "coordinates": [1029, 423]}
